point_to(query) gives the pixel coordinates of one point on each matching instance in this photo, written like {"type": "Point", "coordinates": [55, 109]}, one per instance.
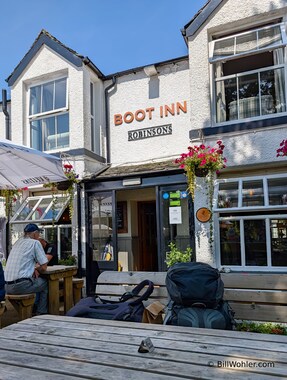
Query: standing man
{"type": "Point", "coordinates": [26, 260]}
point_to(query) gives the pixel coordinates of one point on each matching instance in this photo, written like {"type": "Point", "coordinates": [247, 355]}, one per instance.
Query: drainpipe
{"type": "Point", "coordinates": [108, 142]}
{"type": "Point", "coordinates": [79, 222]}
{"type": "Point", "coordinates": [8, 137]}
{"type": "Point", "coordinates": [4, 109]}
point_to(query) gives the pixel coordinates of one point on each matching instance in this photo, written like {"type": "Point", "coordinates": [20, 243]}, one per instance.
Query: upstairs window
{"type": "Point", "coordinates": [49, 117]}
{"type": "Point", "coordinates": [249, 71]}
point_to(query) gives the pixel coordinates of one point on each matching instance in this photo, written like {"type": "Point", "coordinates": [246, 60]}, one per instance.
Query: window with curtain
{"type": "Point", "coordinates": [49, 116]}
{"type": "Point", "coordinates": [252, 222]}
{"type": "Point", "coordinates": [249, 72]}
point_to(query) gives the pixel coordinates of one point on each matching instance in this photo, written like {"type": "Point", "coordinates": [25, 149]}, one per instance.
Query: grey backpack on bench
{"type": "Point", "coordinates": [196, 297]}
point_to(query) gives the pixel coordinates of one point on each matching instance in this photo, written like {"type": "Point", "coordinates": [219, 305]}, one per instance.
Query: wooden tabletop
{"type": "Point", "coordinates": [58, 347]}
{"type": "Point", "coordinates": [61, 269]}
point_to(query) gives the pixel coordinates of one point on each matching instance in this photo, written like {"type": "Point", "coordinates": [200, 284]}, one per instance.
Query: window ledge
{"type": "Point", "coordinates": [236, 127]}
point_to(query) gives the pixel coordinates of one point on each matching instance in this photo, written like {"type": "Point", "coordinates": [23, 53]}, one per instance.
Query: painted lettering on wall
{"type": "Point", "coordinates": [141, 114]}
{"type": "Point", "coordinates": [145, 133]}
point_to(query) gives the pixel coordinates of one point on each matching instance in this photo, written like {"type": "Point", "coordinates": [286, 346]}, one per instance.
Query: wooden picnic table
{"type": "Point", "coordinates": [54, 273]}
{"type": "Point", "coordinates": [60, 347]}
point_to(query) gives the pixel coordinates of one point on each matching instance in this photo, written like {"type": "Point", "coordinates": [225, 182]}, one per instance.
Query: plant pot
{"type": "Point", "coordinates": [63, 185]}
{"type": "Point", "coordinates": [200, 172]}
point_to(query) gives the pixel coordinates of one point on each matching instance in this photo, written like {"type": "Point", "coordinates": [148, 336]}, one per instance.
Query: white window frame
{"type": "Point", "coordinates": [212, 61]}
{"type": "Point", "coordinates": [241, 218]}
{"type": "Point", "coordinates": [58, 231]}
{"type": "Point", "coordinates": [250, 52]}
{"type": "Point", "coordinates": [52, 113]}
{"type": "Point", "coordinates": [38, 200]}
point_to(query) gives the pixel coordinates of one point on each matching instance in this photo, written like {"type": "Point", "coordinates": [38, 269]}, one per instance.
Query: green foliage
{"type": "Point", "coordinates": [11, 196]}
{"type": "Point", "coordinates": [69, 260]}
{"type": "Point", "coordinates": [176, 256]}
{"type": "Point", "coordinates": [264, 328]}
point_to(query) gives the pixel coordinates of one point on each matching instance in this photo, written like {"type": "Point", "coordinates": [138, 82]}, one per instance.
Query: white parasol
{"type": "Point", "coordinates": [21, 166]}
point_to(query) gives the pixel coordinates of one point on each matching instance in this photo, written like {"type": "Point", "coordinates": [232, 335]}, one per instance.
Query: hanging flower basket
{"type": "Point", "coordinates": [200, 172]}
{"type": "Point", "coordinates": [63, 185]}
{"type": "Point", "coordinates": [202, 161]}
{"type": "Point", "coordinates": [282, 150]}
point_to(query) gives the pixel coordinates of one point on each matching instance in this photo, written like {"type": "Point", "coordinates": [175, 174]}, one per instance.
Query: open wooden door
{"type": "Point", "coordinates": [148, 260]}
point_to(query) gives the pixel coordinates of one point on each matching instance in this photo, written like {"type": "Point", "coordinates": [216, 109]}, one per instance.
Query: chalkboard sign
{"type": "Point", "coordinates": [122, 220]}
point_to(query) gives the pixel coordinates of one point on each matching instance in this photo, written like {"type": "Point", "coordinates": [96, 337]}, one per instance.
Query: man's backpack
{"type": "Point", "coordinates": [219, 318]}
{"type": "Point", "coordinates": [129, 307]}
{"type": "Point", "coordinates": [196, 297]}
{"type": "Point", "coordinates": [194, 283]}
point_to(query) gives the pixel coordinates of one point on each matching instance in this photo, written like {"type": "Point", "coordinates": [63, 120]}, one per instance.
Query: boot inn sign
{"type": "Point", "coordinates": [140, 115]}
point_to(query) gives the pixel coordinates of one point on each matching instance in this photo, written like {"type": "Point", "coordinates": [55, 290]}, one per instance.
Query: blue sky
{"type": "Point", "coordinates": [115, 34]}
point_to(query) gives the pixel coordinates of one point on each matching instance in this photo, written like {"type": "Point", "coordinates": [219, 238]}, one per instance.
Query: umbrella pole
{"type": "Point", "coordinates": [8, 236]}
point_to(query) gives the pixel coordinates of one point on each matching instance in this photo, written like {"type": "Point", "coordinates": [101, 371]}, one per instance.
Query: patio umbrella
{"type": "Point", "coordinates": [21, 166]}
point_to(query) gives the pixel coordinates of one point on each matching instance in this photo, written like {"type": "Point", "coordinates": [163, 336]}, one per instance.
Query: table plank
{"type": "Point", "coordinates": [13, 372]}
{"type": "Point", "coordinates": [178, 329]}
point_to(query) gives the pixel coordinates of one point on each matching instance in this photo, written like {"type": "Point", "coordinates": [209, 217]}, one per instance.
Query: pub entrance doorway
{"type": "Point", "coordinates": [148, 260]}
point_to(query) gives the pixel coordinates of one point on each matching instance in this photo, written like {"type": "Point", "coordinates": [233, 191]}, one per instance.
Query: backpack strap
{"type": "Point", "coordinates": [135, 292]}
{"type": "Point", "coordinates": [168, 312]}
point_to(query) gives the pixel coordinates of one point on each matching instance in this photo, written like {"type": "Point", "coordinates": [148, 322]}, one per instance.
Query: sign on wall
{"type": "Point", "coordinates": [174, 109]}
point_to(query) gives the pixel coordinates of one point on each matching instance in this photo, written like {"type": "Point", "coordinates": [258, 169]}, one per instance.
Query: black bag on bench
{"type": "Point", "coordinates": [129, 307]}
{"type": "Point", "coordinates": [196, 297]}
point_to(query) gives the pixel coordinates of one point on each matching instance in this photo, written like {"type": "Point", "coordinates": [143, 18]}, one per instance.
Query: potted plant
{"type": "Point", "coordinates": [176, 256]}
{"type": "Point", "coordinates": [202, 161]}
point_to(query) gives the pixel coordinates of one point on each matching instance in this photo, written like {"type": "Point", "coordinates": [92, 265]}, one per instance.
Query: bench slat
{"type": "Point", "coordinates": [254, 280]}
{"type": "Point", "coordinates": [263, 296]}
{"type": "Point", "coordinates": [259, 312]}
{"type": "Point", "coordinates": [119, 290]}
{"type": "Point", "coordinates": [133, 278]}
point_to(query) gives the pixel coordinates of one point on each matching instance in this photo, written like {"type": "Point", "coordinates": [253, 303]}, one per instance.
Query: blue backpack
{"type": "Point", "coordinates": [129, 307]}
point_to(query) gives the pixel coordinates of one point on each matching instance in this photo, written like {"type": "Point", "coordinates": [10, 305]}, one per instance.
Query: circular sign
{"type": "Point", "coordinates": [165, 195]}
{"type": "Point", "coordinates": [203, 214]}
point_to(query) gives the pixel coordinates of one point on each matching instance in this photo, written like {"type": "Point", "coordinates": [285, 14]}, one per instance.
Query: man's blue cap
{"type": "Point", "coordinates": [31, 227]}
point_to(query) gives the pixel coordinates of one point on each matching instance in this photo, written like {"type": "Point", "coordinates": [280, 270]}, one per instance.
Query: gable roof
{"type": "Point", "coordinates": [45, 38]}
{"type": "Point", "coordinates": [199, 18]}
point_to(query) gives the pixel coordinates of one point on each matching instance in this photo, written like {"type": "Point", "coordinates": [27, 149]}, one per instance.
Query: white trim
{"type": "Point", "coordinates": [231, 214]}
{"type": "Point", "coordinates": [250, 52]}
{"type": "Point", "coordinates": [39, 199]}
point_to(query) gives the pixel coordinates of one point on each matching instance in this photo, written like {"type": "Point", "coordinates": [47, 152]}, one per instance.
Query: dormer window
{"type": "Point", "coordinates": [249, 71]}
{"type": "Point", "coordinates": [49, 117]}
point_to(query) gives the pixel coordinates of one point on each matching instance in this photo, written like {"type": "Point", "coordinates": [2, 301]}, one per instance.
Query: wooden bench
{"type": "Point", "coordinates": [78, 284]}
{"type": "Point", "coordinates": [22, 303]}
{"type": "Point", "coordinates": [253, 296]}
